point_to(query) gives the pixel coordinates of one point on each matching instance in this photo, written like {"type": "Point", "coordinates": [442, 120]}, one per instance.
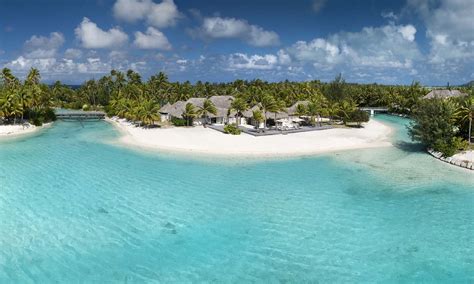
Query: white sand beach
{"type": "Point", "coordinates": [18, 130]}
{"type": "Point", "coordinates": [202, 140]}
{"type": "Point", "coordinates": [465, 156]}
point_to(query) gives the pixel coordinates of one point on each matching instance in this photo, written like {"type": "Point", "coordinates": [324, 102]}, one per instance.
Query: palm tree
{"type": "Point", "coordinates": [346, 108]}
{"type": "Point", "coordinates": [301, 110]}
{"type": "Point", "coordinates": [258, 117]}
{"type": "Point", "coordinates": [147, 112]}
{"type": "Point", "coordinates": [189, 113]}
{"type": "Point", "coordinates": [333, 110]}
{"type": "Point", "coordinates": [465, 113]}
{"type": "Point", "coordinates": [207, 108]}
{"type": "Point", "coordinates": [316, 107]}
{"type": "Point", "coordinates": [239, 105]}
{"type": "Point", "coordinates": [8, 78]}
{"type": "Point", "coordinates": [267, 103]}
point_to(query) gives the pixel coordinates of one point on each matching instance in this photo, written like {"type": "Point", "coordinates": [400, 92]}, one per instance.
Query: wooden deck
{"type": "Point", "coordinates": [272, 131]}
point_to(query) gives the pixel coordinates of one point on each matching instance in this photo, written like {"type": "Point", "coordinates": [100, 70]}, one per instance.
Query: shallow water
{"type": "Point", "coordinates": [74, 207]}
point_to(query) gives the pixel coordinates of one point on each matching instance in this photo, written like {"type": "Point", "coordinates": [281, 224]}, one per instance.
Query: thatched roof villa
{"type": "Point", "coordinates": [444, 94]}
{"type": "Point", "coordinates": [224, 113]}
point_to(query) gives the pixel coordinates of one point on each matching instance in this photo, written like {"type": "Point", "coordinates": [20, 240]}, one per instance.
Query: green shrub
{"type": "Point", "coordinates": [85, 107]}
{"type": "Point", "coordinates": [358, 116]}
{"type": "Point", "coordinates": [48, 115]}
{"type": "Point", "coordinates": [452, 147]}
{"type": "Point", "coordinates": [178, 121]}
{"type": "Point", "coordinates": [37, 121]}
{"type": "Point", "coordinates": [232, 129]}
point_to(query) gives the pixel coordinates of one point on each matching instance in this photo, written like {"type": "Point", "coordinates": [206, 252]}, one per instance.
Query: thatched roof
{"type": "Point", "coordinates": [166, 108]}
{"type": "Point", "coordinates": [197, 102]}
{"type": "Point", "coordinates": [277, 115]}
{"type": "Point", "coordinates": [222, 104]}
{"type": "Point", "coordinates": [292, 110]}
{"type": "Point", "coordinates": [249, 113]}
{"type": "Point", "coordinates": [444, 94]}
{"type": "Point", "coordinates": [175, 109]}
{"type": "Point", "coordinates": [222, 101]}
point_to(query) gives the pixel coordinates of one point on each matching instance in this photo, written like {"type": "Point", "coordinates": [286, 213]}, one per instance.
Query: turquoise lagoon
{"type": "Point", "coordinates": [77, 208]}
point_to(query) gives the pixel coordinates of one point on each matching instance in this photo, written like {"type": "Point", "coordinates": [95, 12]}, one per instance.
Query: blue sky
{"type": "Point", "coordinates": [390, 42]}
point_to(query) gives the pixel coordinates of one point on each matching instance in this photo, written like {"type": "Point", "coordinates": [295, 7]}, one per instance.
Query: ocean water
{"type": "Point", "coordinates": [77, 208]}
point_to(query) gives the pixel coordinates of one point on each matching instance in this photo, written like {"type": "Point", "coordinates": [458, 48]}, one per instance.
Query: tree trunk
{"type": "Point", "coordinates": [470, 130]}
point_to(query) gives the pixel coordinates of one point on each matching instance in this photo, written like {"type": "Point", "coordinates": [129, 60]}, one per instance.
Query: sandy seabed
{"type": "Point", "coordinates": [202, 140]}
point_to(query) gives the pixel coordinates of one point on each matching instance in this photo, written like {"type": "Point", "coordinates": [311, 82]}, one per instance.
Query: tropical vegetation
{"type": "Point", "coordinates": [444, 125]}
{"type": "Point", "coordinates": [232, 129]}
{"type": "Point", "coordinates": [25, 101]}
{"type": "Point", "coordinates": [439, 124]}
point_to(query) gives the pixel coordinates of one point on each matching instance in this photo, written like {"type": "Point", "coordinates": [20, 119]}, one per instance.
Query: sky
{"type": "Point", "coordinates": [368, 41]}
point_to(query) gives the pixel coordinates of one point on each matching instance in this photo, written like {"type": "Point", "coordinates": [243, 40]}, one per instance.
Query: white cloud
{"type": "Point", "coordinates": [117, 55]}
{"type": "Point", "coordinates": [449, 25]}
{"type": "Point", "coordinates": [244, 61]}
{"type": "Point", "coordinates": [131, 10]}
{"type": "Point", "coordinates": [91, 36]}
{"type": "Point", "coordinates": [152, 39]}
{"type": "Point", "coordinates": [52, 66]}
{"type": "Point", "coordinates": [387, 46]}
{"type": "Point", "coordinates": [159, 15]}
{"type": "Point", "coordinates": [408, 32]}
{"type": "Point", "coordinates": [138, 66]}
{"type": "Point", "coordinates": [43, 47]}
{"type": "Point", "coordinates": [22, 63]}
{"type": "Point", "coordinates": [389, 15]}
{"type": "Point", "coordinates": [164, 14]}
{"type": "Point", "coordinates": [318, 5]}
{"type": "Point", "coordinates": [283, 57]}
{"type": "Point", "coordinates": [72, 53]}
{"type": "Point", "coordinates": [218, 28]}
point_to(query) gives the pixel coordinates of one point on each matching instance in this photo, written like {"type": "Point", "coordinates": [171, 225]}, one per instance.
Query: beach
{"type": "Point", "coordinates": [18, 130]}
{"type": "Point", "coordinates": [200, 140]}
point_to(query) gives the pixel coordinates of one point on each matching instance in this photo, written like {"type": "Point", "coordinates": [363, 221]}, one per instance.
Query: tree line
{"type": "Point", "coordinates": [25, 101]}
{"type": "Point", "coordinates": [127, 95]}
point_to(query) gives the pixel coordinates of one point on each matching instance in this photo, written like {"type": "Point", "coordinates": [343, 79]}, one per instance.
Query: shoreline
{"type": "Point", "coordinates": [457, 160]}
{"type": "Point", "coordinates": [14, 131]}
{"type": "Point", "coordinates": [200, 141]}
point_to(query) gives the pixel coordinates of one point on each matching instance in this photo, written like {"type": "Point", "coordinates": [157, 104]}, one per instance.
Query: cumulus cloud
{"type": "Point", "coordinates": [72, 53]}
{"type": "Point", "coordinates": [159, 15]}
{"type": "Point", "coordinates": [449, 25]}
{"type": "Point", "coordinates": [152, 39]}
{"type": "Point", "coordinates": [22, 63]}
{"type": "Point", "coordinates": [385, 46]}
{"type": "Point", "coordinates": [91, 36]}
{"type": "Point", "coordinates": [244, 61]}
{"type": "Point", "coordinates": [221, 28]}
{"type": "Point", "coordinates": [52, 66]}
{"type": "Point", "coordinates": [43, 47]}
{"type": "Point", "coordinates": [408, 32]}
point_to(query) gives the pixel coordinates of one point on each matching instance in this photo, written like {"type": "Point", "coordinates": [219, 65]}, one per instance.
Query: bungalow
{"type": "Point", "coordinates": [444, 94]}
{"type": "Point", "coordinates": [222, 103]}
{"type": "Point", "coordinates": [293, 110]}
{"type": "Point", "coordinates": [225, 114]}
